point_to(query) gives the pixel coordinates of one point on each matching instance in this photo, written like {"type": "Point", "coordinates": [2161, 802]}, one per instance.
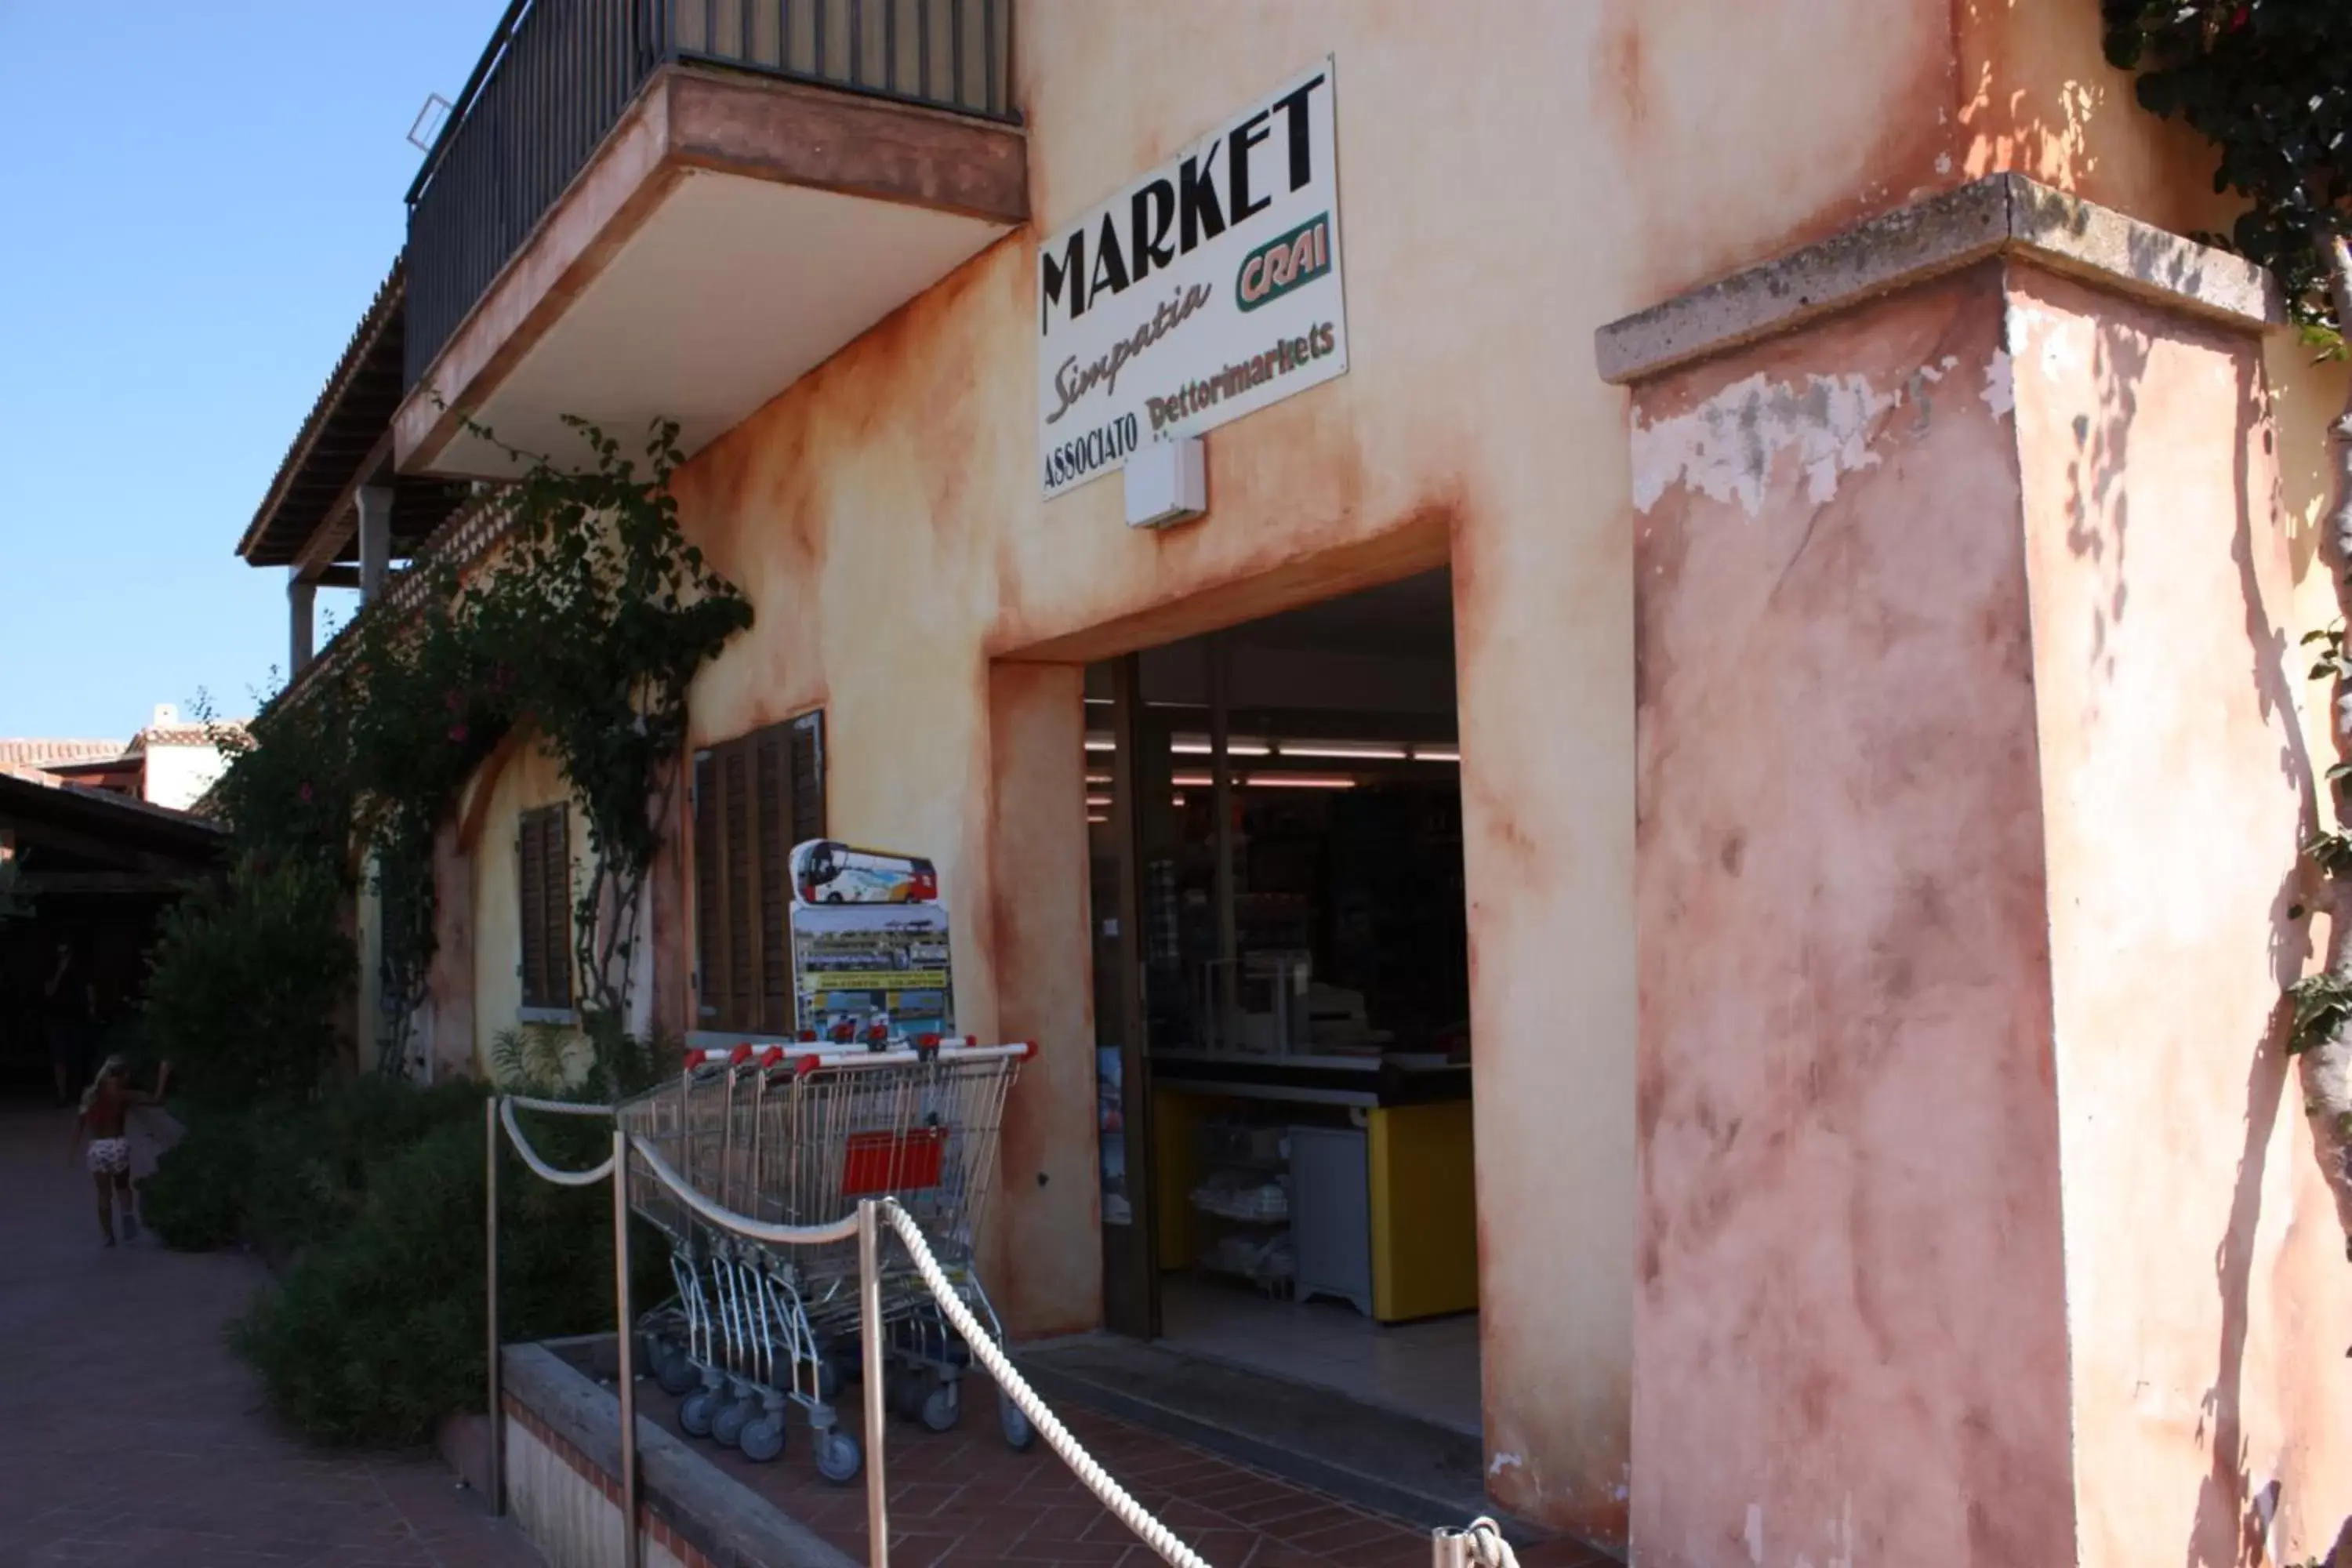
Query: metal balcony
{"type": "Point", "coordinates": [560, 75]}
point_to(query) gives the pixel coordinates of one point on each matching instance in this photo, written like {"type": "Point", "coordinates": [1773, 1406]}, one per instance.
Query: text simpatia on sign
{"type": "Point", "coordinates": [1201, 292]}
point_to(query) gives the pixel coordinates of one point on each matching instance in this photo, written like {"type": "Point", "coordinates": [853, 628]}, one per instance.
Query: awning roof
{"type": "Point", "coordinates": [348, 432]}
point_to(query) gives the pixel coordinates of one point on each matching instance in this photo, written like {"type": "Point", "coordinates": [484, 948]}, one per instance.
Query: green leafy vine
{"type": "Point", "coordinates": [585, 629]}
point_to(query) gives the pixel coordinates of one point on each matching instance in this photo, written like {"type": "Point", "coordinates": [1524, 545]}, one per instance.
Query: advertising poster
{"type": "Point", "coordinates": [851, 961]}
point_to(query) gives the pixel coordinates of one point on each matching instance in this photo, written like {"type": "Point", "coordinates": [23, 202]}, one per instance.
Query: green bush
{"type": "Point", "coordinates": [376, 1328]}
{"type": "Point", "coordinates": [378, 1331]}
{"type": "Point", "coordinates": [284, 1179]}
{"type": "Point", "coordinates": [312, 1167]}
{"type": "Point", "coordinates": [244, 983]}
{"type": "Point", "coordinates": [195, 1200]}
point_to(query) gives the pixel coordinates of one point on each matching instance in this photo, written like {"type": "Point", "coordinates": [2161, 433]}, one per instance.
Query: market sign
{"type": "Point", "coordinates": [1203, 292]}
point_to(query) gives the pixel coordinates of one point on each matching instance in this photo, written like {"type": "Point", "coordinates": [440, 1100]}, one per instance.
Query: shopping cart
{"type": "Point", "coordinates": [797, 1135]}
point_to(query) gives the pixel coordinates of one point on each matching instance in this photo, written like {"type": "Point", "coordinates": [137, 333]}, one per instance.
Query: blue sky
{"type": "Point", "coordinates": [197, 204]}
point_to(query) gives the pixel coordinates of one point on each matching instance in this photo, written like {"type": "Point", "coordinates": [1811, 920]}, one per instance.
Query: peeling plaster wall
{"type": "Point", "coordinates": [2205, 1282]}
{"type": "Point", "coordinates": [1849, 1331]}
{"type": "Point", "coordinates": [1514, 175]}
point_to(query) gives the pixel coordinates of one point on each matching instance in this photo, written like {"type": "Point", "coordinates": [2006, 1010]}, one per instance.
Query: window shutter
{"type": "Point", "coordinates": [771, 755]}
{"type": "Point", "coordinates": [558, 906]}
{"type": "Point", "coordinates": [708, 922]}
{"type": "Point", "coordinates": [808, 777]}
{"type": "Point", "coordinates": [754, 798]}
{"type": "Point", "coordinates": [531, 877]}
{"type": "Point", "coordinates": [736, 834]}
{"type": "Point", "coordinates": [543, 905]}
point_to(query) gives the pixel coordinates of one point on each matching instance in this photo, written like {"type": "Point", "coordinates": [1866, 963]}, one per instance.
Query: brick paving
{"type": "Point", "coordinates": [130, 1436]}
{"type": "Point", "coordinates": [964, 1498]}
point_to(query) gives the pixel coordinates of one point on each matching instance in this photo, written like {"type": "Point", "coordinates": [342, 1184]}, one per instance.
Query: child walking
{"type": "Point", "coordinates": [105, 1107]}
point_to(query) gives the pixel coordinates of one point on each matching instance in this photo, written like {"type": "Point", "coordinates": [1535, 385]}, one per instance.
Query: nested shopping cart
{"type": "Point", "coordinates": [797, 1135]}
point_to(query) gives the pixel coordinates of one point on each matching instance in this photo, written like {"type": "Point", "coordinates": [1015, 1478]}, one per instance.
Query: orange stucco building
{"type": "Point", "coordinates": [1859, 546]}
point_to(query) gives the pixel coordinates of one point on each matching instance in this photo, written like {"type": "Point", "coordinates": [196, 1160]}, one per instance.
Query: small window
{"type": "Point", "coordinates": [754, 798]}
{"type": "Point", "coordinates": [543, 897]}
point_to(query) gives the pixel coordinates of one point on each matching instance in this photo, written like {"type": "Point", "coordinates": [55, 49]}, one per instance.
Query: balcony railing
{"type": "Point", "coordinates": [558, 74]}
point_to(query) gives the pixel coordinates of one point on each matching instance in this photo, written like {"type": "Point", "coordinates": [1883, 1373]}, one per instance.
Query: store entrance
{"type": "Point", "coordinates": [1282, 1000]}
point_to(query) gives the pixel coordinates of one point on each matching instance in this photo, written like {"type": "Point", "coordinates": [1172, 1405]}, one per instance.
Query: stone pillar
{"type": "Point", "coordinates": [376, 539]}
{"type": "Point", "coordinates": [301, 605]}
{"type": "Point", "coordinates": [1045, 1232]}
{"type": "Point", "coordinates": [1968, 789]}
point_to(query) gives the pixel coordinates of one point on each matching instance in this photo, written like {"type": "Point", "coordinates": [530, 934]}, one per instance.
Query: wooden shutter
{"type": "Point", "coordinates": [754, 798]}
{"type": "Point", "coordinates": [736, 851]}
{"type": "Point", "coordinates": [710, 990]}
{"type": "Point", "coordinates": [543, 905]}
{"type": "Point", "coordinates": [530, 882]}
{"type": "Point", "coordinates": [770, 753]}
{"type": "Point", "coordinates": [557, 827]}
{"type": "Point", "coordinates": [808, 777]}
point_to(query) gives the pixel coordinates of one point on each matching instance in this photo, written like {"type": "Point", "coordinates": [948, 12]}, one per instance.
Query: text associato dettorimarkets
{"type": "Point", "coordinates": [1245, 228]}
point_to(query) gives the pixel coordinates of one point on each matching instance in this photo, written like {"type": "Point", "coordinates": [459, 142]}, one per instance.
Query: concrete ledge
{"type": "Point", "coordinates": [2002, 214]}
{"type": "Point", "coordinates": [723, 1520]}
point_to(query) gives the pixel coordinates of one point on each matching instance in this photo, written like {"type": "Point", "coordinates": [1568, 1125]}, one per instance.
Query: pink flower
{"type": "Point", "coordinates": [457, 733]}
{"type": "Point", "coordinates": [303, 795]}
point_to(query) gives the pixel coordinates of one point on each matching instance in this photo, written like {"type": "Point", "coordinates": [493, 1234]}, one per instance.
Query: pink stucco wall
{"type": "Point", "coordinates": [2206, 1291]}
{"type": "Point", "coordinates": [1849, 1331]}
{"type": "Point", "coordinates": [1977, 1219]}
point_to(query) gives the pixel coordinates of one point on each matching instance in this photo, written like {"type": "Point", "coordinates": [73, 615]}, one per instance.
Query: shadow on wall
{"type": "Point", "coordinates": [2098, 503]}
{"type": "Point", "coordinates": [2233, 1522]}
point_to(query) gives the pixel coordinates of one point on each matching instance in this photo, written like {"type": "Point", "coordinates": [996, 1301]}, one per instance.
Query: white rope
{"type": "Point", "coordinates": [983, 1346]}
{"type": "Point", "coordinates": [1486, 1547]}
{"type": "Point", "coordinates": [531, 1155]}
{"type": "Point", "coordinates": [740, 1224]}
{"type": "Point", "coordinates": [982, 1343]}
{"type": "Point", "coordinates": [560, 1107]}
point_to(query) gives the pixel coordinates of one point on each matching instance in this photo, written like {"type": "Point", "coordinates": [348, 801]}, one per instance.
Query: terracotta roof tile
{"type": "Point", "coordinates": [34, 752]}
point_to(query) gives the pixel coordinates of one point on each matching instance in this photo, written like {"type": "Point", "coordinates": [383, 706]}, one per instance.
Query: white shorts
{"type": "Point", "coordinates": [109, 1156]}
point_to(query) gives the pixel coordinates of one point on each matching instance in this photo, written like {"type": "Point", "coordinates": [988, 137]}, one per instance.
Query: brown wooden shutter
{"type": "Point", "coordinates": [558, 829]}
{"type": "Point", "coordinates": [531, 881]}
{"type": "Point", "coordinates": [772, 757]}
{"type": "Point", "coordinates": [754, 798]}
{"type": "Point", "coordinates": [709, 923]}
{"type": "Point", "coordinates": [808, 777]}
{"type": "Point", "coordinates": [736, 838]}
{"type": "Point", "coordinates": [543, 905]}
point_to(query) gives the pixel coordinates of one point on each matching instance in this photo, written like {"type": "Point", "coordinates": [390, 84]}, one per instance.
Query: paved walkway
{"type": "Point", "coordinates": [129, 1436]}
{"type": "Point", "coordinates": [962, 1500]}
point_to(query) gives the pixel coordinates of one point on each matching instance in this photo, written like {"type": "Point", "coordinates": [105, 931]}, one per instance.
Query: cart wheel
{"type": "Point", "coordinates": [905, 1387]}
{"type": "Point", "coordinates": [763, 1440]}
{"type": "Point", "coordinates": [694, 1412]}
{"type": "Point", "coordinates": [838, 1456]}
{"type": "Point", "coordinates": [943, 1407]}
{"type": "Point", "coordinates": [675, 1374]}
{"type": "Point", "coordinates": [829, 1378]}
{"type": "Point", "coordinates": [726, 1426]}
{"type": "Point", "coordinates": [1019, 1435]}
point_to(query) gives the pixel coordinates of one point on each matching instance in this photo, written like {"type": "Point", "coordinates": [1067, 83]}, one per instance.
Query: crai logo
{"type": "Point", "coordinates": [1280, 265]}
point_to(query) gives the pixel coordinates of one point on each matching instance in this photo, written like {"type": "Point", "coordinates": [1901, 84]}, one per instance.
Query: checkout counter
{"type": "Point", "coordinates": [1342, 1175]}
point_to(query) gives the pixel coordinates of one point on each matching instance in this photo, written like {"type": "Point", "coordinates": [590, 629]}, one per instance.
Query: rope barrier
{"type": "Point", "coordinates": [541, 1168]}
{"type": "Point", "coordinates": [1480, 1545]}
{"type": "Point", "coordinates": [560, 1107]}
{"type": "Point", "coordinates": [985, 1349]}
{"type": "Point", "coordinates": [741, 1224]}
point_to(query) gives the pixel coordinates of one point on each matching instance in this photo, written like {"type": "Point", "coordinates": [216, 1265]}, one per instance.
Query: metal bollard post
{"type": "Point", "coordinates": [869, 1335]}
{"type": "Point", "coordinates": [490, 1303]}
{"type": "Point", "coordinates": [624, 1338]}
